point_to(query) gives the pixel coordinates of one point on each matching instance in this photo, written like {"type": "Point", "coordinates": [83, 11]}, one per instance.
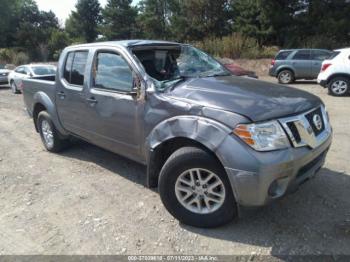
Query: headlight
{"type": "Point", "coordinates": [263, 137]}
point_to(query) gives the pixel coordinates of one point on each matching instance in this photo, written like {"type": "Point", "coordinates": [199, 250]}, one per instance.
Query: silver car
{"type": "Point", "coordinates": [3, 74]}
{"type": "Point", "coordinates": [28, 71]}
{"type": "Point", "coordinates": [293, 64]}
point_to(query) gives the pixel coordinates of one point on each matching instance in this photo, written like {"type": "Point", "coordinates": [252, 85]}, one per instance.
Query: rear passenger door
{"type": "Point", "coordinates": [70, 103]}
{"type": "Point", "coordinates": [318, 56]}
{"type": "Point", "coordinates": [301, 63]}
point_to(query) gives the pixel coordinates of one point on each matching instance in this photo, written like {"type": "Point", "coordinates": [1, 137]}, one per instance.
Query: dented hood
{"type": "Point", "coordinates": [257, 100]}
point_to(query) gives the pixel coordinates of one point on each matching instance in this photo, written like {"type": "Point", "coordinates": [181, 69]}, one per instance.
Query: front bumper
{"type": "Point", "coordinates": [3, 80]}
{"type": "Point", "coordinates": [264, 176]}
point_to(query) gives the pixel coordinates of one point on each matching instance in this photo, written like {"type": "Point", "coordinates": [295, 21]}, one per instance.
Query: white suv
{"type": "Point", "coordinates": [335, 73]}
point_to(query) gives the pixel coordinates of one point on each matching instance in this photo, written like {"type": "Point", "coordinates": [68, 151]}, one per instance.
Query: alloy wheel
{"type": "Point", "coordinates": [200, 191]}
{"type": "Point", "coordinates": [339, 87]}
{"type": "Point", "coordinates": [47, 133]}
{"type": "Point", "coordinates": [285, 77]}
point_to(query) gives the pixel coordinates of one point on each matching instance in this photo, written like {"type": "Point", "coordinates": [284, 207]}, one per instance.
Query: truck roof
{"type": "Point", "coordinates": [127, 43]}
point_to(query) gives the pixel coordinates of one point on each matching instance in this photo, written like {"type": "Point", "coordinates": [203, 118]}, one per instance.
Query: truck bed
{"type": "Point", "coordinates": [32, 87]}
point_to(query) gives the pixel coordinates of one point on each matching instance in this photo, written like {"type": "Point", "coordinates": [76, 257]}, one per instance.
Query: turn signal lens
{"type": "Point", "coordinates": [243, 132]}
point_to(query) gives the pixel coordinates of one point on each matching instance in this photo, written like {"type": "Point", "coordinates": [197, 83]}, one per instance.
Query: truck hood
{"type": "Point", "coordinates": [257, 100]}
{"type": "Point", "coordinates": [3, 71]}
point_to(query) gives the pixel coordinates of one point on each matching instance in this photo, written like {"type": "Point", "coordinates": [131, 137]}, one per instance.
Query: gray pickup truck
{"type": "Point", "coordinates": [212, 142]}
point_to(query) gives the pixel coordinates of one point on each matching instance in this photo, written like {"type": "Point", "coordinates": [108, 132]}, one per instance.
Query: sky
{"type": "Point", "coordinates": [62, 8]}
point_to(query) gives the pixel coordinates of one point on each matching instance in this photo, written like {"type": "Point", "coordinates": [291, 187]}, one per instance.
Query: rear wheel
{"type": "Point", "coordinates": [285, 77]}
{"type": "Point", "coordinates": [49, 135]}
{"type": "Point", "coordinates": [195, 189]}
{"type": "Point", "coordinates": [339, 86]}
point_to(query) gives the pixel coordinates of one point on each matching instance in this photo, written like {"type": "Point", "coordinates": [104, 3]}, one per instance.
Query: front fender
{"type": "Point", "coordinates": [205, 131]}
{"type": "Point", "coordinates": [43, 99]}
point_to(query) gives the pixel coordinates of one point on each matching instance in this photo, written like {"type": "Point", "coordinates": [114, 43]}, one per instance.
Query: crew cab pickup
{"type": "Point", "coordinates": [212, 142]}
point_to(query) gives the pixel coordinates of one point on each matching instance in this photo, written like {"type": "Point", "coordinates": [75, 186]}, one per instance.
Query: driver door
{"type": "Point", "coordinates": [113, 111]}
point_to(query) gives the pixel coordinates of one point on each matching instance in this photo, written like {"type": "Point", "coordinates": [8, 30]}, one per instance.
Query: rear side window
{"type": "Point", "coordinates": [320, 55]}
{"type": "Point", "coordinates": [302, 55]}
{"type": "Point", "coordinates": [334, 55]}
{"type": "Point", "coordinates": [283, 55]}
{"type": "Point", "coordinates": [75, 67]}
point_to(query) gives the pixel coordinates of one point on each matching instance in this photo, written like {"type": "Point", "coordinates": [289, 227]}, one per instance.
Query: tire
{"type": "Point", "coordinates": [285, 77]}
{"type": "Point", "coordinates": [47, 129]}
{"type": "Point", "coordinates": [179, 164]}
{"type": "Point", "coordinates": [339, 86]}
{"type": "Point", "coordinates": [14, 87]}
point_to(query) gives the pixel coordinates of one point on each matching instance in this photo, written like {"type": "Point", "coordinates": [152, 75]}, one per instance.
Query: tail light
{"type": "Point", "coordinates": [273, 61]}
{"type": "Point", "coordinates": [324, 67]}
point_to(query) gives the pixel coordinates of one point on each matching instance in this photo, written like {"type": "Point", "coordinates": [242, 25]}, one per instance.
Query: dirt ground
{"type": "Point", "coordinates": [89, 201]}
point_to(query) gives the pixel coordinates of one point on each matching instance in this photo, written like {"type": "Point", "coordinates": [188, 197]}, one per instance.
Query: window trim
{"type": "Point", "coordinates": [66, 84]}
{"type": "Point", "coordinates": [108, 90]}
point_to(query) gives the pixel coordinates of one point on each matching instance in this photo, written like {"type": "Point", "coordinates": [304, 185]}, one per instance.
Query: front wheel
{"type": "Point", "coordinates": [49, 135]}
{"type": "Point", "coordinates": [14, 87]}
{"type": "Point", "coordinates": [339, 86]}
{"type": "Point", "coordinates": [195, 189]}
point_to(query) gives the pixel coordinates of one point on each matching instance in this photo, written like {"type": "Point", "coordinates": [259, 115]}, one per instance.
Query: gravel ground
{"type": "Point", "coordinates": [89, 201]}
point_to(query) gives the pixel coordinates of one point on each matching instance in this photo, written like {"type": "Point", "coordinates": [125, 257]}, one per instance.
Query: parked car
{"type": "Point", "coordinates": [240, 71]}
{"type": "Point", "coordinates": [28, 71]}
{"type": "Point", "coordinates": [335, 73]}
{"type": "Point", "coordinates": [4, 72]}
{"type": "Point", "coordinates": [212, 142]}
{"type": "Point", "coordinates": [294, 64]}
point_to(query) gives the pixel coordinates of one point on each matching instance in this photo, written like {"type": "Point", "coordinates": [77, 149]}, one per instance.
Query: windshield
{"type": "Point", "coordinates": [2, 66]}
{"type": "Point", "coordinates": [171, 64]}
{"type": "Point", "coordinates": [44, 70]}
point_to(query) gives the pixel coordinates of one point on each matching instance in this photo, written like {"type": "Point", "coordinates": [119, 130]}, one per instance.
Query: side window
{"type": "Point", "coordinates": [26, 71]}
{"type": "Point", "coordinates": [74, 69]}
{"type": "Point", "coordinates": [20, 70]}
{"type": "Point", "coordinates": [320, 55]}
{"type": "Point", "coordinates": [283, 55]}
{"type": "Point", "coordinates": [78, 68]}
{"type": "Point", "coordinates": [68, 67]}
{"type": "Point", "coordinates": [302, 55]}
{"type": "Point", "coordinates": [112, 72]}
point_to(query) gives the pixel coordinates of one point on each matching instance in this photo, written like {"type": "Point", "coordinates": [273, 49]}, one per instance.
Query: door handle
{"type": "Point", "coordinates": [61, 95]}
{"type": "Point", "coordinates": [92, 101]}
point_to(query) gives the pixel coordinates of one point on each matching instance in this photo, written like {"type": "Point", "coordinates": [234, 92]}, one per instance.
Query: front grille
{"type": "Point", "coordinates": [309, 129]}
{"type": "Point", "coordinates": [310, 118]}
{"type": "Point", "coordinates": [294, 131]}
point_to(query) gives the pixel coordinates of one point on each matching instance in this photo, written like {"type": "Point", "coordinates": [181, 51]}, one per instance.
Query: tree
{"type": "Point", "coordinates": [205, 18]}
{"type": "Point", "coordinates": [119, 20]}
{"type": "Point", "coordinates": [34, 28]}
{"type": "Point", "coordinates": [251, 19]}
{"type": "Point", "coordinates": [8, 14]}
{"type": "Point", "coordinates": [154, 18]}
{"type": "Point", "coordinates": [83, 23]}
{"type": "Point", "coordinates": [59, 39]}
